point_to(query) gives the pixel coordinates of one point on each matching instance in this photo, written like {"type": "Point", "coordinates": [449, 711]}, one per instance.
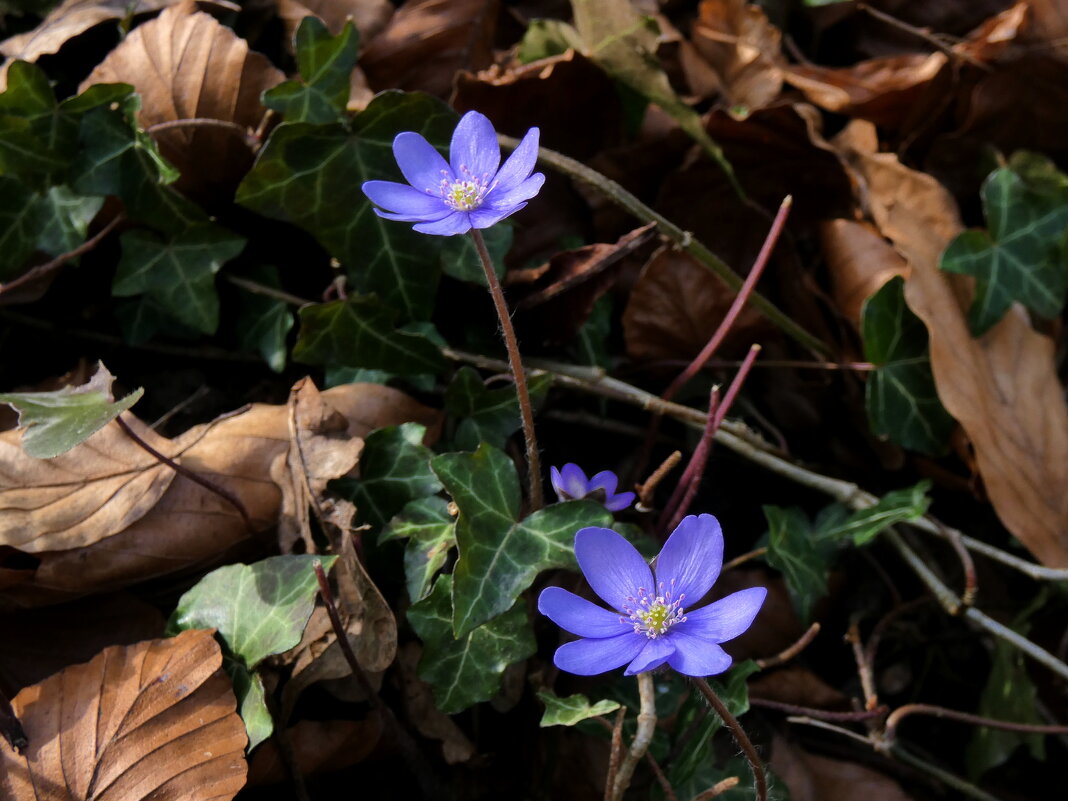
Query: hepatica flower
{"type": "Point", "coordinates": [651, 621]}
{"type": "Point", "coordinates": [570, 483]}
{"type": "Point", "coordinates": [470, 190]}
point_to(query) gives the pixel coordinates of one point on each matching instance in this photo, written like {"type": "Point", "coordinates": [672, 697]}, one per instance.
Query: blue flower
{"type": "Point", "coordinates": [570, 483]}
{"type": "Point", "coordinates": [468, 191]}
{"type": "Point", "coordinates": [652, 622]}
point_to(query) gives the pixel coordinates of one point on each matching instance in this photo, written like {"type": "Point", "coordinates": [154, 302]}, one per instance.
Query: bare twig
{"type": "Point", "coordinates": [890, 731]}
{"type": "Point", "coordinates": [645, 490]}
{"type": "Point", "coordinates": [193, 476]}
{"type": "Point", "coordinates": [719, 788]}
{"type": "Point", "coordinates": [267, 291]}
{"type": "Point", "coordinates": [745, 557]}
{"type": "Point", "coordinates": [614, 753]}
{"type": "Point", "coordinates": [864, 667]}
{"type": "Point", "coordinates": [247, 137]}
{"type": "Point", "coordinates": [687, 484]}
{"type": "Point", "coordinates": [821, 714]}
{"type": "Point", "coordinates": [41, 270]}
{"type": "Point", "coordinates": [642, 736]}
{"type": "Point", "coordinates": [944, 776]}
{"type": "Point", "coordinates": [934, 40]}
{"type": "Point", "coordinates": [740, 737]}
{"type": "Point", "coordinates": [789, 653]}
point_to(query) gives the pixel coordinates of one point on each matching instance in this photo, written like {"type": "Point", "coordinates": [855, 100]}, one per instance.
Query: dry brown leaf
{"type": "Point", "coordinates": [153, 720]}
{"type": "Point", "coordinates": [815, 778]}
{"type": "Point", "coordinates": [793, 684]}
{"type": "Point", "coordinates": [428, 41]}
{"type": "Point", "coordinates": [1002, 387]}
{"type": "Point", "coordinates": [423, 712]}
{"type": "Point", "coordinates": [185, 65]}
{"type": "Point", "coordinates": [319, 746]}
{"type": "Point", "coordinates": [742, 47]}
{"type": "Point", "coordinates": [675, 307]}
{"type": "Point", "coordinates": [860, 261]}
{"type": "Point", "coordinates": [102, 517]}
{"type": "Point", "coordinates": [369, 16]}
{"type": "Point", "coordinates": [67, 20]}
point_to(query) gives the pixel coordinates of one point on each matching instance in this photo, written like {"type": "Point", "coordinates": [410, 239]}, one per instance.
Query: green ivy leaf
{"type": "Point", "coordinates": [900, 396]}
{"type": "Point", "coordinates": [796, 553]}
{"type": "Point", "coordinates": [310, 175]}
{"type": "Point", "coordinates": [178, 272]}
{"type": "Point", "coordinates": [54, 422]}
{"type": "Point", "coordinates": [67, 218]}
{"type": "Point", "coordinates": [263, 323]}
{"type": "Point", "coordinates": [545, 38]}
{"type": "Point", "coordinates": [258, 610]}
{"type": "Point", "coordinates": [1021, 258]}
{"type": "Point", "coordinates": [571, 710]}
{"type": "Point", "coordinates": [35, 138]}
{"type": "Point", "coordinates": [466, 670]}
{"type": "Point", "coordinates": [488, 415]}
{"type": "Point", "coordinates": [394, 470]}
{"type": "Point", "coordinates": [898, 506]}
{"type": "Point", "coordinates": [360, 332]}
{"type": "Point", "coordinates": [499, 555]}
{"type": "Point", "coordinates": [23, 220]}
{"type": "Point", "coordinates": [431, 534]}
{"type": "Point", "coordinates": [325, 63]}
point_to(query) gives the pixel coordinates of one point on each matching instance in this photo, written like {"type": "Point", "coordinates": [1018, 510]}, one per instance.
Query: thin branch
{"type": "Point", "coordinates": [892, 722]}
{"type": "Point", "coordinates": [944, 776]}
{"type": "Point", "coordinates": [740, 737]}
{"type": "Point", "coordinates": [822, 724]}
{"type": "Point", "coordinates": [207, 122]}
{"type": "Point", "coordinates": [41, 270]}
{"type": "Point", "coordinates": [193, 476]}
{"type": "Point", "coordinates": [925, 35]}
{"type": "Point", "coordinates": [864, 667]}
{"type": "Point", "coordinates": [756, 553]}
{"type": "Point", "coordinates": [821, 714]}
{"type": "Point", "coordinates": [687, 484]}
{"type": "Point", "coordinates": [643, 735]}
{"type": "Point", "coordinates": [683, 239]}
{"type": "Point", "coordinates": [789, 653]}
{"type": "Point", "coordinates": [267, 291]}
{"type": "Point", "coordinates": [614, 753]}
{"type": "Point", "coordinates": [645, 490]}
{"type": "Point", "coordinates": [719, 788]}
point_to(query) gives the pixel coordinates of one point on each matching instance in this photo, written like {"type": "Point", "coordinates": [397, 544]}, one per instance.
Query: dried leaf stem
{"type": "Point", "coordinates": [683, 239]}
{"type": "Point", "coordinates": [192, 475]}
{"type": "Point", "coordinates": [740, 737]}
{"type": "Point", "coordinates": [515, 363]}
{"type": "Point", "coordinates": [791, 651]}
{"type": "Point", "coordinates": [747, 444]}
{"type": "Point", "coordinates": [820, 714]}
{"type": "Point", "coordinates": [643, 735]}
{"type": "Point", "coordinates": [890, 731]}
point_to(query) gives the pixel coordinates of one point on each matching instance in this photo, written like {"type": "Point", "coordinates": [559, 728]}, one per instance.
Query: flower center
{"type": "Point", "coordinates": [466, 192]}
{"type": "Point", "coordinates": [654, 615]}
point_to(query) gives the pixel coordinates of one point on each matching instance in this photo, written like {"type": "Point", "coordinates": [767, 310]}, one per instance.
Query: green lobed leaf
{"type": "Point", "coordinates": [23, 221]}
{"type": "Point", "coordinates": [67, 218]}
{"type": "Point", "coordinates": [251, 702]}
{"type": "Point", "coordinates": [310, 175]}
{"type": "Point", "coordinates": [179, 272]}
{"type": "Point", "coordinates": [864, 525]}
{"type": "Point", "coordinates": [795, 552]}
{"type": "Point", "coordinates": [572, 709]}
{"type": "Point", "coordinates": [263, 323]}
{"type": "Point", "coordinates": [325, 63]}
{"type": "Point", "coordinates": [1021, 258]}
{"type": "Point", "coordinates": [54, 422]}
{"type": "Point", "coordinates": [591, 344]}
{"type": "Point", "coordinates": [360, 332]}
{"type": "Point", "coordinates": [35, 138]}
{"type": "Point", "coordinates": [394, 470]}
{"type": "Point", "coordinates": [431, 534]}
{"type": "Point", "coordinates": [901, 398]}
{"type": "Point", "coordinates": [488, 415]}
{"type": "Point", "coordinates": [466, 670]}
{"type": "Point", "coordinates": [258, 610]}
{"type": "Point", "coordinates": [499, 555]}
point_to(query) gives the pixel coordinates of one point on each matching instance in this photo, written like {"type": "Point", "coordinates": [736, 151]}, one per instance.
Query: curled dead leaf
{"type": "Point", "coordinates": [153, 720]}
{"type": "Point", "coordinates": [185, 65]}
{"type": "Point", "coordinates": [1002, 387]}
{"type": "Point", "coordinates": [859, 260]}
{"type": "Point", "coordinates": [105, 515]}
{"type": "Point", "coordinates": [369, 16]}
{"type": "Point", "coordinates": [817, 778]}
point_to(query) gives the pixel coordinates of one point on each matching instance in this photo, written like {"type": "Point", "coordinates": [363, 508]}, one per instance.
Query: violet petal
{"type": "Point", "coordinates": [590, 657]}
{"type": "Point", "coordinates": [474, 151]}
{"type": "Point", "coordinates": [726, 618]}
{"type": "Point", "coordinates": [455, 223]}
{"type": "Point", "coordinates": [518, 166]}
{"type": "Point", "coordinates": [690, 561]}
{"type": "Point", "coordinates": [423, 167]}
{"type": "Point", "coordinates": [403, 199]}
{"type": "Point", "coordinates": [579, 616]}
{"type": "Point", "coordinates": [656, 652]}
{"type": "Point", "coordinates": [696, 656]}
{"type": "Point", "coordinates": [613, 567]}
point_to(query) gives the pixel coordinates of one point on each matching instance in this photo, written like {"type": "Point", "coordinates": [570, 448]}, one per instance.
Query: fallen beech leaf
{"type": "Point", "coordinates": [69, 19]}
{"type": "Point", "coordinates": [147, 721]}
{"type": "Point", "coordinates": [422, 711]}
{"type": "Point", "coordinates": [676, 305]}
{"type": "Point", "coordinates": [369, 16]}
{"type": "Point", "coordinates": [859, 260]}
{"type": "Point", "coordinates": [107, 514]}
{"type": "Point", "coordinates": [815, 778]}
{"type": "Point", "coordinates": [793, 684]}
{"type": "Point", "coordinates": [1002, 387]}
{"type": "Point", "coordinates": [319, 746]}
{"type": "Point", "coordinates": [186, 65]}
{"type": "Point", "coordinates": [737, 40]}
{"type": "Point", "coordinates": [428, 41]}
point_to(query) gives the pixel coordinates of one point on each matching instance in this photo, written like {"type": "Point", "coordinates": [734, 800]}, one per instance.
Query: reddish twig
{"type": "Point", "coordinates": [789, 653]}
{"type": "Point", "coordinates": [864, 667]}
{"type": "Point", "coordinates": [719, 788]}
{"type": "Point", "coordinates": [740, 737]}
{"type": "Point", "coordinates": [745, 557]}
{"type": "Point", "coordinates": [645, 490]}
{"type": "Point", "coordinates": [207, 484]}
{"type": "Point", "coordinates": [686, 487]}
{"type": "Point", "coordinates": [42, 270]}
{"type": "Point", "coordinates": [820, 714]}
{"type": "Point", "coordinates": [892, 722]}
{"type": "Point", "coordinates": [614, 754]}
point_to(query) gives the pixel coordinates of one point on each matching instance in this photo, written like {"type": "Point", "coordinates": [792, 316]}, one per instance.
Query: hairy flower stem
{"type": "Point", "coordinates": [526, 411]}
{"type": "Point", "coordinates": [643, 735]}
{"type": "Point", "coordinates": [740, 737]}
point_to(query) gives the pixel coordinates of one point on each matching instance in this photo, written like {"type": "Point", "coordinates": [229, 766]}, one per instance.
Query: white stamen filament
{"type": "Point", "coordinates": [464, 193]}
{"type": "Point", "coordinates": [653, 616]}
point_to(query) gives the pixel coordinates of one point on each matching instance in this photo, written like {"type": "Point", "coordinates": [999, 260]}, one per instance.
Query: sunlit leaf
{"type": "Point", "coordinates": [431, 534]}
{"type": "Point", "coordinates": [263, 322]}
{"type": "Point", "coordinates": [325, 63]}
{"type": "Point", "coordinates": [864, 525]}
{"type": "Point", "coordinates": [499, 555]}
{"type": "Point", "coordinates": [572, 709]}
{"type": "Point", "coordinates": [54, 422]}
